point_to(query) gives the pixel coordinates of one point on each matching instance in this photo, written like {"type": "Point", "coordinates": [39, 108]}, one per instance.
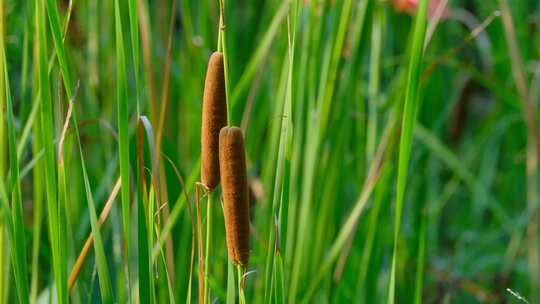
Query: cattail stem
{"type": "Point", "coordinates": [241, 294]}
{"type": "Point", "coordinates": [208, 241]}
{"type": "Point", "coordinates": [223, 40]}
{"type": "Point", "coordinates": [200, 249]}
{"type": "Point", "coordinates": [231, 289]}
{"type": "Point", "coordinates": [219, 46]}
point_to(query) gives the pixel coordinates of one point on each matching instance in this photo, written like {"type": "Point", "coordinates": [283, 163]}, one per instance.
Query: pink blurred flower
{"type": "Point", "coordinates": [410, 7]}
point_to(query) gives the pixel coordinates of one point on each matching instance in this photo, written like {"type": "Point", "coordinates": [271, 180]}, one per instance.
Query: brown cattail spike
{"type": "Point", "coordinates": [214, 117]}
{"type": "Point", "coordinates": [232, 161]}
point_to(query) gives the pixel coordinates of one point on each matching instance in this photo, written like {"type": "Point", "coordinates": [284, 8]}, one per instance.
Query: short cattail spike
{"type": "Point", "coordinates": [214, 117]}
{"type": "Point", "coordinates": [232, 162]}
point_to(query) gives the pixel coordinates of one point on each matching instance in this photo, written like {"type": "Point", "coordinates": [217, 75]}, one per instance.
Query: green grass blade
{"type": "Point", "coordinates": [134, 31]}
{"type": "Point", "coordinates": [150, 233]}
{"type": "Point", "coordinates": [279, 279]}
{"type": "Point", "coordinates": [3, 159]}
{"type": "Point", "coordinates": [47, 135]}
{"type": "Point", "coordinates": [144, 265]}
{"type": "Point", "coordinates": [18, 250]}
{"type": "Point", "coordinates": [3, 148]}
{"type": "Point", "coordinates": [410, 110]}
{"type": "Point", "coordinates": [7, 223]}
{"type": "Point", "coordinates": [123, 131]}
{"type": "Point", "coordinates": [284, 148]}
{"type": "Point", "coordinates": [101, 259]}
{"type": "Point", "coordinates": [145, 215]}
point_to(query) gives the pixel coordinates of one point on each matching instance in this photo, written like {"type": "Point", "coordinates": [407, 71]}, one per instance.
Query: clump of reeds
{"type": "Point", "coordinates": [232, 162]}
{"type": "Point", "coordinates": [214, 117]}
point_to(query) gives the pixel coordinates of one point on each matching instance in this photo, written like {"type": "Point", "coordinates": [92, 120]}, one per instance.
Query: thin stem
{"type": "Point", "coordinates": [3, 152]}
{"type": "Point", "coordinates": [241, 296]}
{"type": "Point", "coordinates": [223, 42]}
{"type": "Point", "coordinates": [200, 248]}
{"type": "Point", "coordinates": [2, 270]}
{"type": "Point", "coordinates": [219, 28]}
{"type": "Point", "coordinates": [231, 291]}
{"type": "Point", "coordinates": [208, 241]}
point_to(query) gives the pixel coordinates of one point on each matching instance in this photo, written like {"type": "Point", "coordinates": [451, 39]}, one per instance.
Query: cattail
{"type": "Point", "coordinates": [232, 161]}
{"type": "Point", "coordinates": [214, 117]}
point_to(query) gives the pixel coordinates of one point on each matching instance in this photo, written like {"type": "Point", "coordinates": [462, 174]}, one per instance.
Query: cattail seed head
{"type": "Point", "coordinates": [214, 117]}
{"type": "Point", "coordinates": [232, 161]}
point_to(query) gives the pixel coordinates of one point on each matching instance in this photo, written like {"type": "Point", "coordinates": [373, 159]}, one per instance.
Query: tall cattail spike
{"type": "Point", "coordinates": [232, 162]}
{"type": "Point", "coordinates": [214, 117]}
